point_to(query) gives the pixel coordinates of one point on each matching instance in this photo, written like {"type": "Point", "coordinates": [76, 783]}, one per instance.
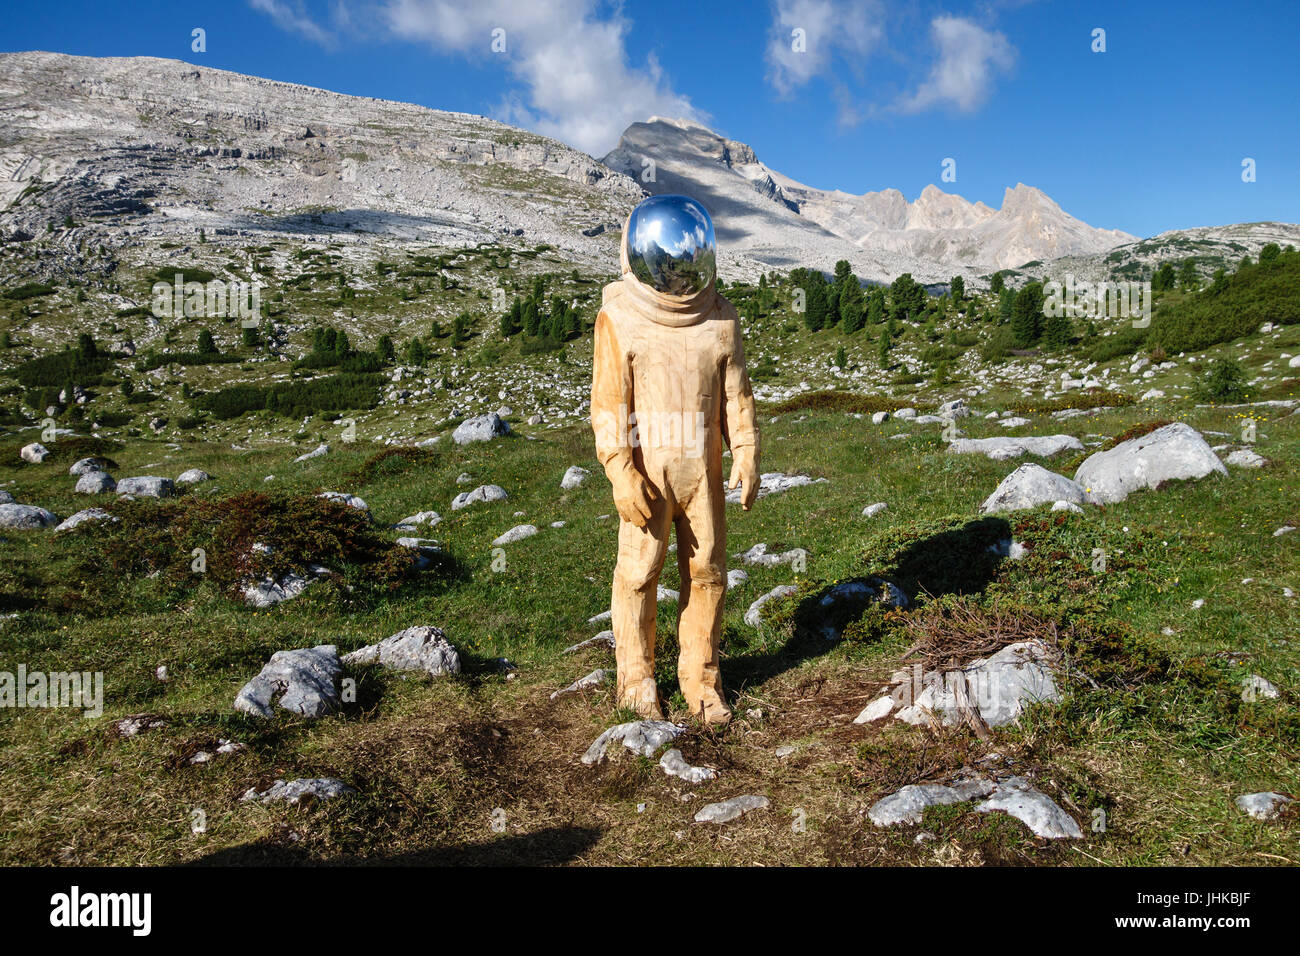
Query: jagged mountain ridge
{"type": "Point", "coordinates": [940, 228]}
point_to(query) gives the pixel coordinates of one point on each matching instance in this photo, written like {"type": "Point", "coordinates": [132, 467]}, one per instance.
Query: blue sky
{"type": "Point", "coordinates": [1149, 135]}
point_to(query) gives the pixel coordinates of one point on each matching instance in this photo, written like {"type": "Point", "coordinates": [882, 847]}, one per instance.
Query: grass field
{"type": "Point", "coordinates": [483, 767]}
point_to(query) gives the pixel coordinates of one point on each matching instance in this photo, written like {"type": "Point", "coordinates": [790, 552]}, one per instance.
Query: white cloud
{"type": "Point", "coordinates": [292, 16]}
{"type": "Point", "coordinates": [969, 58]}
{"type": "Point", "coordinates": [831, 29]}
{"type": "Point", "coordinates": [578, 85]}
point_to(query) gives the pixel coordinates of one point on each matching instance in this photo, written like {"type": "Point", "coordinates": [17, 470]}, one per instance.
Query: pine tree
{"type": "Point", "coordinates": [958, 287]}
{"type": "Point", "coordinates": [852, 306]}
{"type": "Point", "coordinates": [1163, 280]}
{"type": "Point", "coordinates": [1057, 331]}
{"type": "Point", "coordinates": [415, 353]}
{"type": "Point", "coordinates": [876, 306]}
{"type": "Point", "coordinates": [1026, 315]}
{"type": "Point", "coordinates": [997, 284]}
{"type": "Point", "coordinates": [384, 350]}
{"type": "Point", "coordinates": [206, 344]}
{"type": "Point", "coordinates": [1188, 278]}
{"type": "Point", "coordinates": [886, 343]}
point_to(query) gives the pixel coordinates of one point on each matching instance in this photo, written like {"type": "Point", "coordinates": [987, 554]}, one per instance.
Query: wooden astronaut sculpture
{"type": "Point", "coordinates": [669, 387]}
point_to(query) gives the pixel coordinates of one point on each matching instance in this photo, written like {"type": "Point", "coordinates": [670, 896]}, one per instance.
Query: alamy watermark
{"type": "Point", "coordinates": [216, 298]}
{"type": "Point", "coordinates": [684, 431]}
{"type": "Point", "coordinates": [1078, 299]}
{"type": "Point", "coordinates": [75, 689]}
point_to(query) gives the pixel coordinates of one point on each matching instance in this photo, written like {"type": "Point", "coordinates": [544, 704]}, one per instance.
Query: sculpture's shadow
{"type": "Point", "coordinates": [548, 847]}
{"type": "Point", "coordinates": [959, 561]}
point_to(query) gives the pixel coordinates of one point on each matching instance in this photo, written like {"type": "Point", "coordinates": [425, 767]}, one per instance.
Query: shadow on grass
{"type": "Point", "coordinates": [958, 560]}
{"type": "Point", "coordinates": [548, 847]}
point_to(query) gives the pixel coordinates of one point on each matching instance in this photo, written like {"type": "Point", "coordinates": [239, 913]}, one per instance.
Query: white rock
{"type": "Point", "coordinates": [316, 452]}
{"type": "Point", "coordinates": [95, 483]}
{"type": "Point", "coordinates": [1246, 458]}
{"type": "Point", "coordinates": [295, 791]}
{"type": "Point", "coordinates": [870, 511]}
{"type": "Point", "coordinates": [573, 478]}
{"type": "Point", "coordinates": [481, 494]}
{"type": "Point", "coordinates": [303, 679]}
{"type": "Point", "coordinates": [1035, 810]}
{"type": "Point", "coordinates": [26, 518]}
{"type": "Point", "coordinates": [592, 680]}
{"type": "Point", "coordinates": [480, 428]}
{"type": "Point", "coordinates": [420, 648]}
{"type": "Point", "coordinates": [675, 765]}
{"type": "Point", "coordinates": [1255, 687]}
{"type": "Point", "coordinates": [754, 616]}
{"type": "Point", "coordinates": [642, 737]}
{"type": "Point", "coordinates": [35, 453]}
{"type": "Point", "coordinates": [736, 577]}
{"type": "Point", "coordinates": [193, 476]}
{"type": "Point", "coordinates": [1263, 806]}
{"type": "Point", "coordinates": [728, 810]}
{"type": "Point", "coordinates": [146, 486]}
{"type": "Point", "coordinates": [1000, 449]}
{"type": "Point", "coordinates": [878, 709]}
{"type": "Point", "coordinates": [517, 533]}
{"type": "Point", "coordinates": [1175, 452]}
{"type": "Point", "coordinates": [1030, 486]}
{"type": "Point", "coordinates": [87, 514]}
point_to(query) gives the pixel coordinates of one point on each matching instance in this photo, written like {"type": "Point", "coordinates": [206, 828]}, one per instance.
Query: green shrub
{"type": "Point", "coordinates": [1224, 381]}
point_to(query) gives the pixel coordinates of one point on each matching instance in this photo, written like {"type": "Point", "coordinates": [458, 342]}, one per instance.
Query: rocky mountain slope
{"type": "Point", "coordinates": [163, 147]}
{"type": "Point", "coordinates": [931, 237]}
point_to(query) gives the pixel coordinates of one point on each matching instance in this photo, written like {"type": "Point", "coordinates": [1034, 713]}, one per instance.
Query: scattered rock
{"type": "Point", "coordinates": [1034, 809]}
{"type": "Point", "coordinates": [879, 418]}
{"type": "Point", "coordinates": [146, 486]}
{"type": "Point", "coordinates": [1030, 486]}
{"type": "Point", "coordinates": [26, 517]}
{"type": "Point", "coordinates": [84, 466]}
{"type": "Point", "coordinates": [1175, 452]}
{"type": "Point", "coordinates": [870, 511]}
{"type": "Point", "coordinates": [137, 724]}
{"type": "Point", "coordinates": [1255, 687]}
{"type": "Point", "coordinates": [1263, 806]}
{"type": "Point", "coordinates": [517, 533]}
{"type": "Point", "coordinates": [998, 687]}
{"type": "Point", "coordinates": [421, 648]}
{"type": "Point", "coordinates": [303, 679]}
{"type": "Point", "coordinates": [736, 577]}
{"type": "Point", "coordinates": [573, 478]}
{"type": "Point", "coordinates": [352, 501]}
{"type": "Point", "coordinates": [483, 493]}
{"type": "Point", "coordinates": [758, 556]}
{"type": "Point", "coordinates": [957, 408]}
{"type": "Point", "coordinates": [729, 810]}
{"type": "Point", "coordinates": [81, 517]}
{"type": "Point", "coordinates": [754, 616]}
{"type": "Point", "coordinates": [411, 522]}
{"type": "Point", "coordinates": [591, 681]}
{"type": "Point", "coordinates": [603, 639]}
{"type": "Point", "coordinates": [35, 453]}
{"type": "Point", "coordinates": [316, 452]}
{"type": "Point", "coordinates": [675, 765]}
{"type": "Point", "coordinates": [1001, 448]}
{"type": "Point", "coordinates": [296, 791]}
{"type": "Point", "coordinates": [878, 709]}
{"type": "Point", "coordinates": [908, 804]}
{"type": "Point", "coordinates": [774, 482]}
{"type": "Point", "coordinates": [480, 428]}
{"type": "Point", "coordinates": [1246, 458]}
{"type": "Point", "coordinates": [642, 737]}
{"type": "Point", "coordinates": [903, 414]}
{"type": "Point", "coordinates": [269, 592]}
{"type": "Point", "coordinates": [193, 476]}
{"type": "Point", "coordinates": [95, 483]}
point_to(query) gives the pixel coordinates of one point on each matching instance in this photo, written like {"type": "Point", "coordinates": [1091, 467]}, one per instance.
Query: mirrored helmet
{"type": "Point", "coordinates": [670, 245]}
